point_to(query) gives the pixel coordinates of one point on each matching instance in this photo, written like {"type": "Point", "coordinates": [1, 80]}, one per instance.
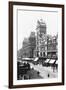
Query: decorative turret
{"type": "Point", "coordinates": [41, 26]}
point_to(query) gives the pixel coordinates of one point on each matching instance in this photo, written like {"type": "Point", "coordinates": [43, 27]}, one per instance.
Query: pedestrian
{"type": "Point", "coordinates": [28, 65]}
{"type": "Point", "coordinates": [38, 73]}
{"type": "Point", "coordinates": [48, 75]}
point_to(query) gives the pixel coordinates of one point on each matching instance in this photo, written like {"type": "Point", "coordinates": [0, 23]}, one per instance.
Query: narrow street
{"type": "Point", "coordinates": [45, 71]}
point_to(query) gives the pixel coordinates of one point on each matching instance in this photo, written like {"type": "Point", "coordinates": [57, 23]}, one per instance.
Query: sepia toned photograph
{"type": "Point", "coordinates": [37, 44]}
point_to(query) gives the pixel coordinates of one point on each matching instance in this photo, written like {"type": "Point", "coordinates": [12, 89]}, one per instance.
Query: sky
{"type": "Point", "coordinates": [27, 22]}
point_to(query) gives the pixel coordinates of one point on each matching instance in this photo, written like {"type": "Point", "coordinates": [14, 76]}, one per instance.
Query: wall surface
{"type": "Point", "coordinates": [4, 45]}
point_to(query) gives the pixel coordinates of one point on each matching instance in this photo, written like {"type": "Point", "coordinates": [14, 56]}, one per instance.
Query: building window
{"type": "Point", "coordinates": [43, 53]}
{"type": "Point", "coordinates": [40, 53]}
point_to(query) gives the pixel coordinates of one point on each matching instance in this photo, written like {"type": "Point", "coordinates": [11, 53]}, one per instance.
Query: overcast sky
{"type": "Point", "coordinates": [27, 22]}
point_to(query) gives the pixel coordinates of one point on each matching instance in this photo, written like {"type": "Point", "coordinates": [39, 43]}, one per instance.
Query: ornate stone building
{"type": "Point", "coordinates": [46, 45]}
{"type": "Point", "coordinates": [41, 39]}
{"type": "Point", "coordinates": [40, 44]}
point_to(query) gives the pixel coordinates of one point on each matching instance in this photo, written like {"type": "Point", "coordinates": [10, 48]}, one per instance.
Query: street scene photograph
{"type": "Point", "coordinates": [37, 45]}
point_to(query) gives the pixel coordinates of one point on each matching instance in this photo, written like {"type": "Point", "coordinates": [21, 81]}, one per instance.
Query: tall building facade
{"type": "Point", "coordinates": [41, 39]}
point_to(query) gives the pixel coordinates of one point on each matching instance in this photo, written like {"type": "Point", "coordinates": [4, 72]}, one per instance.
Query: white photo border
{"type": "Point", "coordinates": [15, 27]}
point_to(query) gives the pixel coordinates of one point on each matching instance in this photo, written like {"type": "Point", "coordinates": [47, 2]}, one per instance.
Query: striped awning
{"type": "Point", "coordinates": [36, 59]}
{"type": "Point", "coordinates": [27, 59]}
{"type": "Point", "coordinates": [52, 61]}
{"type": "Point", "coordinates": [47, 60]}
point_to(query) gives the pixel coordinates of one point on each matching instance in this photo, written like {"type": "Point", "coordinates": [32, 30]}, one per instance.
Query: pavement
{"type": "Point", "coordinates": [33, 74]}
{"type": "Point", "coordinates": [39, 72]}
{"type": "Point", "coordinates": [45, 72]}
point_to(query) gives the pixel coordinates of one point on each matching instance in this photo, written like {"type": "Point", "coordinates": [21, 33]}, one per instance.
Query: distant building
{"type": "Point", "coordinates": [29, 45]}
{"type": "Point", "coordinates": [32, 41]}
{"type": "Point", "coordinates": [25, 48]}
{"type": "Point", "coordinates": [19, 53]}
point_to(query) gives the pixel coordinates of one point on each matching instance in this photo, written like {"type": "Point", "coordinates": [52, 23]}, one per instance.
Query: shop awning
{"type": "Point", "coordinates": [47, 60]}
{"type": "Point", "coordinates": [27, 59]}
{"type": "Point", "coordinates": [52, 61]}
{"type": "Point", "coordinates": [36, 59]}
